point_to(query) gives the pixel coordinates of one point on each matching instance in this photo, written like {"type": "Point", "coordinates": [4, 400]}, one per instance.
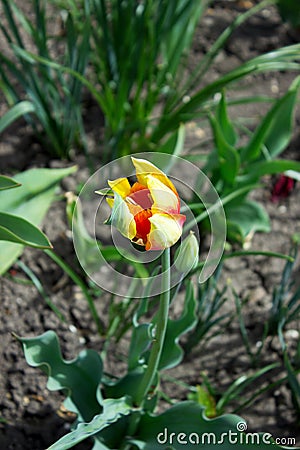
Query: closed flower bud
{"type": "Point", "coordinates": [187, 255]}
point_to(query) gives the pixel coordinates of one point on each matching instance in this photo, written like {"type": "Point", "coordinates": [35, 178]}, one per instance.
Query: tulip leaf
{"type": "Point", "coordinates": [246, 217]}
{"type": "Point", "coordinates": [16, 229]}
{"type": "Point", "coordinates": [113, 409]}
{"type": "Point", "coordinates": [30, 202]}
{"type": "Point", "coordinates": [184, 426]}
{"type": "Point", "coordinates": [140, 342]}
{"type": "Point", "coordinates": [7, 183]}
{"type": "Point", "coordinates": [272, 167]}
{"type": "Point", "coordinates": [80, 377]}
{"type": "Point", "coordinates": [126, 385]}
{"type": "Point", "coordinates": [172, 353]}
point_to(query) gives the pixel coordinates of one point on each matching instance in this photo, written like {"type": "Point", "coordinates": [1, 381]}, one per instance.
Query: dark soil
{"type": "Point", "coordinates": [32, 417]}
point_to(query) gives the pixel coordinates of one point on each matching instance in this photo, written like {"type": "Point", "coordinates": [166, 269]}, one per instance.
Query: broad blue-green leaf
{"type": "Point", "coordinates": [99, 446]}
{"type": "Point", "coordinates": [31, 202]}
{"type": "Point", "coordinates": [274, 130]}
{"type": "Point", "coordinates": [235, 232]}
{"type": "Point", "coordinates": [18, 110]}
{"type": "Point", "coordinates": [113, 409]}
{"type": "Point", "coordinates": [184, 426]}
{"type": "Point", "coordinates": [140, 342]}
{"type": "Point", "coordinates": [126, 385]}
{"type": "Point", "coordinates": [249, 216]}
{"type": "Point", "coordinates": [16, 229]}
{"type": "Point", "coordinates": [80, 377]}
{"type": "Point", "coordinates": [7, 183]}
{"type": "Point", "coordinates": [172, 353]}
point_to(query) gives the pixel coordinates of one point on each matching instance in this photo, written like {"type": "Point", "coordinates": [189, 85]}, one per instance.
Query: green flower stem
{"type": "Point", "coordinates": [161, 326]}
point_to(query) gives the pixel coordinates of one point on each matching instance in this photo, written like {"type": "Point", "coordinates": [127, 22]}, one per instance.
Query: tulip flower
{"type": "Point", "coordinates": [148, 211]}
{"type": "Point", "coordinates": [282, 188]}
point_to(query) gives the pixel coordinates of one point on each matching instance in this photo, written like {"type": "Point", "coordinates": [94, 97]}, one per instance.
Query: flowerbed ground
{"type": "Point", "coordinates": [33, 416]}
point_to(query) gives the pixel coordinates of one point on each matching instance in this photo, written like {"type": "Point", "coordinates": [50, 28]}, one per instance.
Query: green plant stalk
{"type": "Point", "coordinates": [161, 326]}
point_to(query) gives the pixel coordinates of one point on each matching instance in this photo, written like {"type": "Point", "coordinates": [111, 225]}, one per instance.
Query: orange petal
{"type": "Point", "coordinates": [143, 224]}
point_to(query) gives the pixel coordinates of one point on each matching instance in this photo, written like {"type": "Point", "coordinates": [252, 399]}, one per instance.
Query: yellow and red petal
{"type": "Point", "coordinates": [165, 230]}
{"type": "Point", "coordinates": [120, 186]}
{"type": "Point", "coordinates": [122, 218]}
{"type": "Point", "coordinates": [144, 168]}
{"type": "Point", "coordinates": [164, 199]}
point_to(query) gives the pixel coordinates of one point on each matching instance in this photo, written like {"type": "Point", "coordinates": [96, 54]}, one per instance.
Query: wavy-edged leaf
{"type": "Point", "coordinates": [30, 202]}
{"type": "Point", "coordinates": [7, 183]}
{"type": "Point", "coordinates": [16, 229]}
{"type": "Point", "coordinates": [80, 377]}
{"type": "Point", "coordinates": [184, 426]}
{"type": "Point", "coordinates": [140, 342]}
{"type": "Point", "coordinates": [113, 409]}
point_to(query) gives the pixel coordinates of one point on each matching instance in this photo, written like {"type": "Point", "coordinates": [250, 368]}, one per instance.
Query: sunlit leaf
{"type": "Point", "coordinates": [16, 229]}
{"type": "Point", "coordinates": [204, 399]}
{"type": "Point", "coordinates": [7, 183]}
{"type": "Point", "coordinates": [30, 202]}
